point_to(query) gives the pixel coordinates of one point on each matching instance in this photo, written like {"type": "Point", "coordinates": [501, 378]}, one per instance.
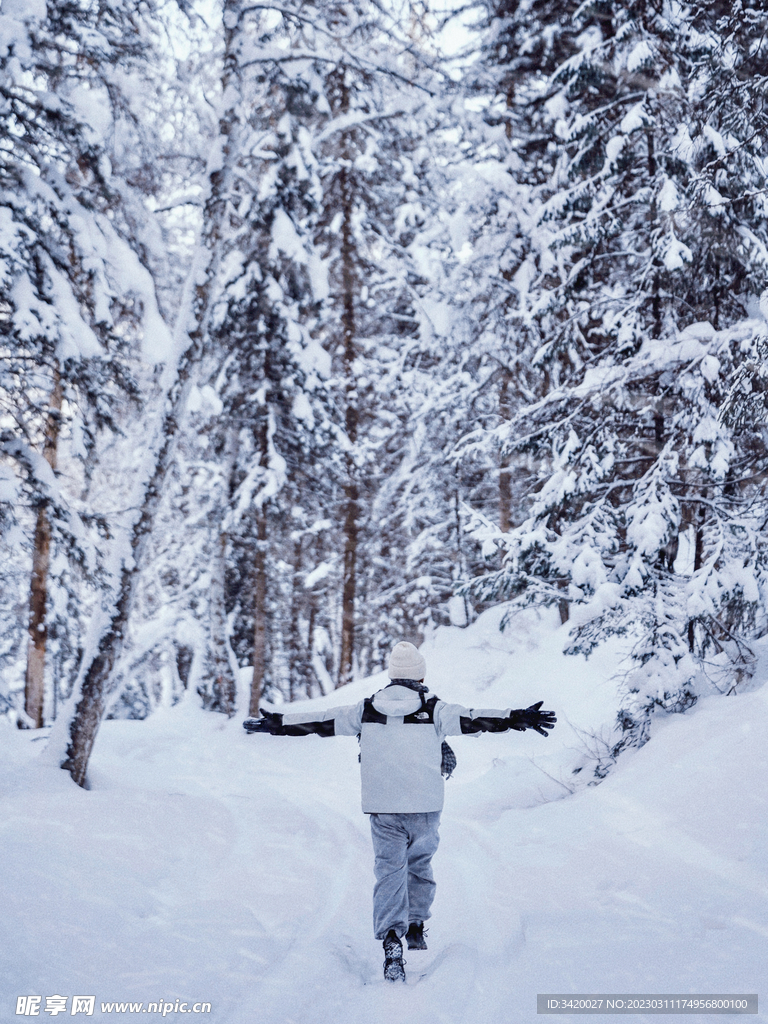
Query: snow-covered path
{"type": "Point", "coordinates": [205, 864]}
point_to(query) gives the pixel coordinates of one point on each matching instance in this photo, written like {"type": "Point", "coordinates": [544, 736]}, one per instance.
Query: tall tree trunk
{"type": "Point", "coordinates": [300, 653]}
{"type": "Point", "coordinates": [224, 688]}
{"type": "Point", "coordinates": [311, 646]}
{"type": "Point", "coordinates": [564, 608]}
{"type": "Point", "coordinates": [95, 675]}
{"type": "Point", "coordinates": [346, 659]}
{"type": "Point", "coordinates": [653, 215]}
{"type": "Point", "coordinates": [459, 566]}
{"type": "Point", "coordinates": [34, 690]}
{"type": "Point", "coordinates": [698, 561]}
{"type": "Point", "coordinates": [351, 490]}
{"type": "Point", "coordinates": [505, 475]}
{"type": "Point", "coordinates": [224, 684]}
{"type": "Point", "coordinates": [259, 614]}
{"type": "Point", "coordinates": [260, 648]}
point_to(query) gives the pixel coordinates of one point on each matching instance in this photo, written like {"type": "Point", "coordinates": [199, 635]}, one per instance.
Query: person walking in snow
{"type": "Point", "coordinates": [403, 761]}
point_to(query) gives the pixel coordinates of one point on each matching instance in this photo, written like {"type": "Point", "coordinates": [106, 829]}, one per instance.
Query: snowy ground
{"type": "Point", "coordinates": [208, 865]}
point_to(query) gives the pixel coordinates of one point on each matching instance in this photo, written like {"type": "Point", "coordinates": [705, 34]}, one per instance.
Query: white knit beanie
{"type": "Point", "coordinates": [405, 662]}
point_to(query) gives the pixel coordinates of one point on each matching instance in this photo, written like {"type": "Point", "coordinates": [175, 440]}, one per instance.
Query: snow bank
{"type": "Point", "coordinates": [206, 864]}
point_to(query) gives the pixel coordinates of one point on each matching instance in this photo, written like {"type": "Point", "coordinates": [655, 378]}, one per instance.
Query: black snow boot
{"type": "Point", "coordinates": [415, 935]}
{"type": "Point", "coordinates": [394, 965]}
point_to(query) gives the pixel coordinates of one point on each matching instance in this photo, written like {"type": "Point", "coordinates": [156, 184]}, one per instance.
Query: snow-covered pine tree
{"type": "Point", "coordinates": [648, 509]}
{"type": "Point", "coordinates": [76, 299]}
{"type": "Point", "coordinates": [263, 368]}
{"type": "Point", "coordinates": [447, 379]}
{"type": "Point", "coordinates": [496, 160]}
{"type": "Point", "coordinates": [312, 310]}
{"type": "Point", "coordinates": [370, 166]}
{"type": "Point", "coordinates": [459, 234]}
{"type": "Point", "coordinates": [273, 368]}
{"type": "Point", "coordinates": [160, 147]}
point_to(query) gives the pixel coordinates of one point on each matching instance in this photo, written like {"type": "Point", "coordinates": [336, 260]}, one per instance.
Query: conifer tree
{"type": "Point", "coordinates": [76, 299]}
{"type": "Point", "coordinates": [313, 287]}
{"type": "Point", "coordinates": [645, 514]}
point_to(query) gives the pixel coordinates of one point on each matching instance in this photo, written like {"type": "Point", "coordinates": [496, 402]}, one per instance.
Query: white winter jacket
{"type": "Point", "coordinates": [401, 734]}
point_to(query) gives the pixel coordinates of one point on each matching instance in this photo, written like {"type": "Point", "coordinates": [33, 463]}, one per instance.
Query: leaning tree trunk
{"type": "Point", "coordinates": [34, 690]}
{"type": "Point", "coordinates": [94, 688]}
{"type": "Point", "coordinates": [95, 675]}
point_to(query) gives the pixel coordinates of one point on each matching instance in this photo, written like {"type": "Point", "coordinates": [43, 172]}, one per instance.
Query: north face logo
{"type": "Point", "coordinates": [422, 715]}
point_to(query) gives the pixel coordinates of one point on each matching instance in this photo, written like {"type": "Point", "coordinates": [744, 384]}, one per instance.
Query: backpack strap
{"type": "Point", "coordinates": [370, 714]}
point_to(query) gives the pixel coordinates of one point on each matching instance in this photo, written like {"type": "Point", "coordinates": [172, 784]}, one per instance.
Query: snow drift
{"type": "Point", "coordinates": [206, 864]}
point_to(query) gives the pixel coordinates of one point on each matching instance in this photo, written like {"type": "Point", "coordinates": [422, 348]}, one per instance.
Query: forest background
{"type": "Point", "coordinates": [325, 324]}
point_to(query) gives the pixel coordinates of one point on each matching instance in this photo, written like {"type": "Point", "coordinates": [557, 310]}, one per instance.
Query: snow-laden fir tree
{"type": "Point", "coordinates": [647, 516]}
{"type": "Point", "coordinates": [372, 164]}
{"type": "Point", "coordinates": [313, 314]}
{"type": "Point", "coordinates": [496, 159]}
{"type": "Point", "coordinates": [76, 304]}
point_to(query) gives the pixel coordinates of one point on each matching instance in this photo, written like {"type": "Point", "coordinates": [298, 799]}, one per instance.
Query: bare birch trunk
{"type": "Point", "coordinates": [95, 676]}
{"type": "Point", "coordinates": [34, 690]}
{"type": "Point", "coordinates": [94, 688]}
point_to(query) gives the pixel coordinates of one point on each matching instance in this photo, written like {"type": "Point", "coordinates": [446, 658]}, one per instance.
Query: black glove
{"type": "Point", "coordinates": [532, 718]}
{"type": "Point", "coordinates": [271, 723]}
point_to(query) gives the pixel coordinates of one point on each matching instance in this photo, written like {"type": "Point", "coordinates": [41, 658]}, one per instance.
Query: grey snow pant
{"type": "Point", "coordinates": [403, 846]}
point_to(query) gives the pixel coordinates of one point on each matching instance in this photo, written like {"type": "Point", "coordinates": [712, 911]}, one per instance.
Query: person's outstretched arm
{"type": "Point", "coordinates": [455, 720]}
{"type": "Point", "coordinates": [341, 721]}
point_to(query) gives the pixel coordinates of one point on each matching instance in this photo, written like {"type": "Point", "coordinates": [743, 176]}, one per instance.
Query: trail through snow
{"type": "Point", "coordinates": [206, 864]}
